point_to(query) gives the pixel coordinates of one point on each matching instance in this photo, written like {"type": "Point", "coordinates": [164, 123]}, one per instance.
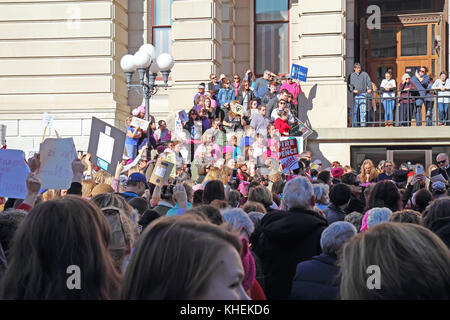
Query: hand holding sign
{"type": "Point", "coordinates": [33, 183]}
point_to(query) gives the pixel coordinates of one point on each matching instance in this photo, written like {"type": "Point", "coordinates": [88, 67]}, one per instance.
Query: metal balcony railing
{"type": "Point", "coordinates": [405, 108]}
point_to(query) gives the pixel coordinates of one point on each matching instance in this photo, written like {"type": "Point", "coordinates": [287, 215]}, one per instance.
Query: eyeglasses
{"type": "Point", "coordinates": [442, 162]}
{"type": "Point", "coordinates": [236, 78]}
{"type": "Point", "coordinates": [422, 71]}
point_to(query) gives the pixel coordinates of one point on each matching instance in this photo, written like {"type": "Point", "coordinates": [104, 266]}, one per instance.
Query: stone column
{"type": "Point", "coordinates": [197, 49]}
{"type": "Point", "coordinates": [228, 38]}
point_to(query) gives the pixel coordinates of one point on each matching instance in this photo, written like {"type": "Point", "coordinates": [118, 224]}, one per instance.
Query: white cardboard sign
{"type": "Point", "coordinates": [13, 174]}
{"type": "Point", "coordinates": [56, 156]}
{"type": "Point", "coordinates": [138, 122]}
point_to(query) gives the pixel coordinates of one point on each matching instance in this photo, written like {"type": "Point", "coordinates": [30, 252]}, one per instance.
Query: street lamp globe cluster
{"type": "Point", "coordinates": [148, 66]}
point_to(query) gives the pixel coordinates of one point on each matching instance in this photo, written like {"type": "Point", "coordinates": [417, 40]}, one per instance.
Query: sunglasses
{"type": "Point", "coordinates": [442, 162]}
{"type": "Point", "coordinates": [282, 102]}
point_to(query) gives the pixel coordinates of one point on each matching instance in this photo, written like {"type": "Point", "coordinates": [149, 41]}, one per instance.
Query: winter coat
{"type": "Point", "coordinates": [316, 279]}
{"type": "Point", "coordinates": [287, 238]}
{"type": "Point", "coordinates": [334, 214]}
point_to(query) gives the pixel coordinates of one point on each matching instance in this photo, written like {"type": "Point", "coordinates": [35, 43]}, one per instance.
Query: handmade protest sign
{"type": "Point", "coordinates": [106, 144]}
{"type": "Point", "coordinates": [161, 172]}
{"type": "Point", "coordinates": [288, 152]}
{"type": "Point", "coordinates": [183, 116]}
{"type": "Point", "coordinates": [171, 158]}
{"type": "Point", "coordinates": [56, 157]}
{"type": "Point", "coordinates": [13, 174]}
{"type": "Point", "coordinates": [138, 122]}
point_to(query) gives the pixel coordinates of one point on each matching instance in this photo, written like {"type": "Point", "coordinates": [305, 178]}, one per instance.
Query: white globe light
{"type": "Point", "coordinates": [127, 63]}
{"type": "Point", "coordinates": [142, 59]}
{"type": "Point", "coordinates": [154, 67]}
{"type": "Point", "coordinates": [165, 61]}
{"type": "Point", "coordinates": [149, 49]}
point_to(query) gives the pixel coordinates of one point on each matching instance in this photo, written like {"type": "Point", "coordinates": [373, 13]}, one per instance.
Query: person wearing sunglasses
{"type": "Point", "coordinates": [443, 168]}
{"type": "Point", "coordinates": [421, 81]}
{"type": "Point", "coordinates": [213, 86]}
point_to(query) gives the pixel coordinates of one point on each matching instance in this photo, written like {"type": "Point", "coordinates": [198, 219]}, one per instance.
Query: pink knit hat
{"type": "Point", "coordinates": [135, 112]}
{"type": "Point", "coordinates": [141, 109]}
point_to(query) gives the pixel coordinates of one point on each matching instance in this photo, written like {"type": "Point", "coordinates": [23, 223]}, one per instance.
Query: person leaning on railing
{"type": "Point", "coordinates": [407, 92]}
{"type": "Point", "coordinates": [388, 86]}
{"type": "Point", "coordinates": [442, 86]}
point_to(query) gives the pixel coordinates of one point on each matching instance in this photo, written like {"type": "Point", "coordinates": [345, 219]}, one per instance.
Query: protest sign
{"type": "Point", "coordinates": [47, 120]}
{"type": "Point", "coordinates": [171, 158]}
{"type": "Point", "coordinates": [300, 129]}
{"type": "Point", "coordinates": [161, 173]}
{"type": "Point", "coordinates": [106, 145]}
{"type": "Point", "coordinates": [13, 174]}
{"type": "Point", "coordinates": [288, 152]}
{"type": "Point", "coordinates": [141, 123]}
{"type": "Point", "coordinates": [299, 72]}
{"type": "Point", "coordinates": [183, 116]}
{"type": "Point", "coordinates": [56, 157]}
{"type": "Point", "coordinates": [289, 163]}
{"type": "Point", "coordinates": [300, 142]}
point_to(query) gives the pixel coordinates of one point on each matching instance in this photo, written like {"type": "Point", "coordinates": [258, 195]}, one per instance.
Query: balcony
{"type": "Point", "coordinates": [409, 109]}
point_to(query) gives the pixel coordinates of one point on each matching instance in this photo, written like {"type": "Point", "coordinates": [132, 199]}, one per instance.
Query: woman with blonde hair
{"type": "Point", "coordinates": [395, 261]}
{"type": "Point", "coordinates": [368, 172]}
{"type": "Point", "coordinates": [185, 258]}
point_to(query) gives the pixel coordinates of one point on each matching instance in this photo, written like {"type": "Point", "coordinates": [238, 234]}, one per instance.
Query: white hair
{"type": "Point", "coordinates": [335, 236]}
{"type": "Point", "coordinates": [377, 216]}
{"type": "Point", "coordinates": [238, 219]}
{"type": "Point", "coordinates": [320, 189]}
{"type": "Point", "coordinates": [297, 193]}
{"type": "Point", "coordinates": [405, 76]}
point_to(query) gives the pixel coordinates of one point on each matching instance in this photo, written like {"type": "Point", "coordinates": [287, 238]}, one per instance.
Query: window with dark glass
{"type": "Point", "coordinates": [161, 25]}
{"type": "Point", "coordinates": [272, 36]}
{"type": "Point", "coordinates": [383, 43]}
{"type": "Point", "coordinates": [414, 41]}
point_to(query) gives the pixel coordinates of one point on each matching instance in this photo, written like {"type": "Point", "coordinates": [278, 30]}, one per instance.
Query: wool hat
{"type": "Point", "coordinates": [337, 172]}
{"type": "Point", "coordinates": [138, 177]}
{"type": "Point", "coordinates": [135, 112]}
{"type": "Point", "coordinates": [141, 109]}
{"type": "Point", "coordinates": [438, 186]}
{"type": "Point", "coordinates": [102, 188]}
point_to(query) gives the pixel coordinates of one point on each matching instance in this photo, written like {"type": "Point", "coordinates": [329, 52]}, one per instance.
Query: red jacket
{"type": "Point", "coordinates": [282, 126]}
{"type": "Point", "coordinates": [409, 93]}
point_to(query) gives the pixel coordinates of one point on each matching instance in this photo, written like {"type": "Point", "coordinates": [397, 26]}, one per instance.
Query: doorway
{"type": "Point", "coordinates": [411, 157]}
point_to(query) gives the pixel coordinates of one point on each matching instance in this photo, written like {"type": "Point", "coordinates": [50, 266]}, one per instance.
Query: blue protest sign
{"type": "Point", "coordinates": [299, 72]}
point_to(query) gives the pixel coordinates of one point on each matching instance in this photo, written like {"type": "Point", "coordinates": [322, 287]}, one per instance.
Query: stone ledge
{"type": "Point", "coordinates": [381, 134]}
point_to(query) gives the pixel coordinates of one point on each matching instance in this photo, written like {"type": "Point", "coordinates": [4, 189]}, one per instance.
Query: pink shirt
{"type": "Point", "coordinates": [293, 88]}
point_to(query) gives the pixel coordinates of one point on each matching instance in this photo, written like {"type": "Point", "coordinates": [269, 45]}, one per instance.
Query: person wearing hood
{"type": "Point", "coordinates": [289, 237]}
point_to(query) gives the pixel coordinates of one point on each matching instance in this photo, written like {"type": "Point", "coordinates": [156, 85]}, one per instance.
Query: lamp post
{"type": "Point", "coordinates": [148, 67]}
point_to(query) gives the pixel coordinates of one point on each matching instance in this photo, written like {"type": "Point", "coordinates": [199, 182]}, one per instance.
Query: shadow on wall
{"type": "Point", "coordinates": [306, 104]}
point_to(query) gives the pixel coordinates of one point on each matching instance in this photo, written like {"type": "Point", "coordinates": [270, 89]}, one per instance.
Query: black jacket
{"type": "Point", "coordinates": [287, 238]}
{"type": "Point", "coordinates": [316, 279]}
{"type": "Point", "coordinates": [334, 214]}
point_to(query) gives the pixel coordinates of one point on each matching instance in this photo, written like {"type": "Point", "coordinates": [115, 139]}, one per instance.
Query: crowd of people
{"type": "Point", "coordinates": [412, 96]}
{"type": "Point", "coordinates": [230, 223]}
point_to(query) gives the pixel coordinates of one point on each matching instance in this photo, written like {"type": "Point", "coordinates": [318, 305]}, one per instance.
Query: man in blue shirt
{"type": "Point", "coordinates": [136, 185]}
{"type": "Point", "coordinates": [262, 85]}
